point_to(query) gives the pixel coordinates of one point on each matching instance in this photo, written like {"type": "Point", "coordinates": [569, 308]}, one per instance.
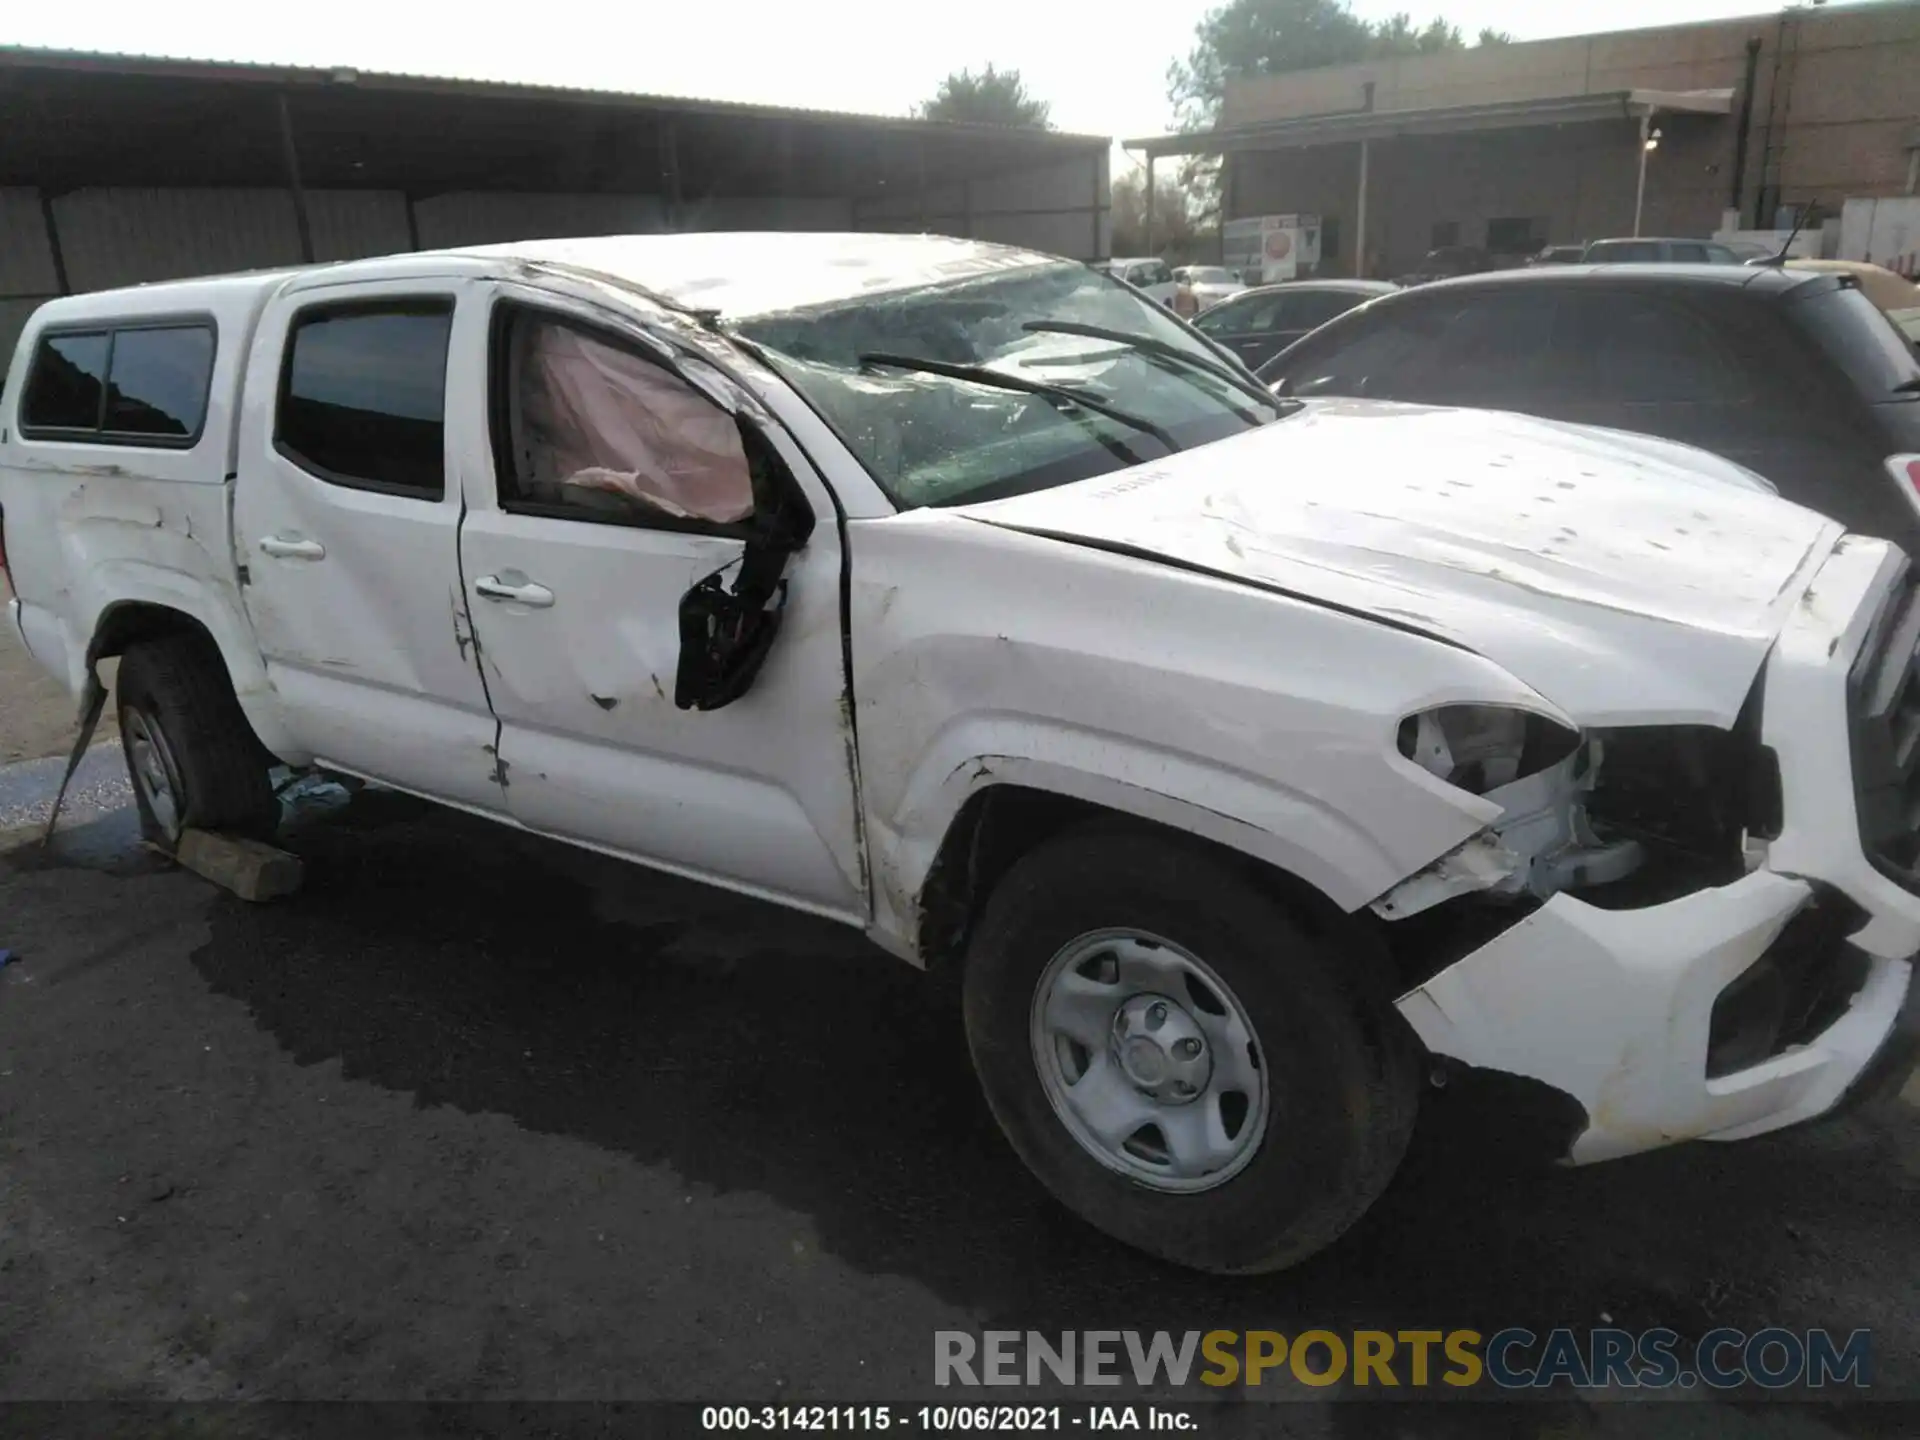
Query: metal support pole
{"type": "Point", "coordinates": [1360, 221]}
{"type": "Point", "coordinates": [920, 179]}
{"type": "Point", "coordinates": [670, 198]}
{"type": "Point", "coordinates": [59, 256]}
{"type": "Point", "coordinates": [291, 155]}
{"type": "Point", "coordinates": [1640, 188]}
{"type": "Point", "coordinates": [1148, 247]}
{"type": "Point", "coordinates": [1229, 201]}
{"type": "Point", "coordinates": [1100, 182]}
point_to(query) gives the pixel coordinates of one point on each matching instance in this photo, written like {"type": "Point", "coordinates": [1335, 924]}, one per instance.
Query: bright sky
{"type": "Point", "coordinates": [1102, 67]}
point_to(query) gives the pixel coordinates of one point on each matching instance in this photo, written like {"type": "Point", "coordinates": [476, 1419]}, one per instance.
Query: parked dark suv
{"type": "Point", "coordinates": [1795, 375]}
{"type": "Point", "coordinates": [1258, 324]}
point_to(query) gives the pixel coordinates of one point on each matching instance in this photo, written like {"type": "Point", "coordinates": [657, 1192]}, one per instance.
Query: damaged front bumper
{"type": "Point", "coordinates": [1648, 1017]}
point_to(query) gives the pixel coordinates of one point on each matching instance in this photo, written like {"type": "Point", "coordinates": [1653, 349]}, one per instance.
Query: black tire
{"type": "Point", "coordinates": [1342, 1068]}
{"type": "Point", "coordinates": [177, 686]}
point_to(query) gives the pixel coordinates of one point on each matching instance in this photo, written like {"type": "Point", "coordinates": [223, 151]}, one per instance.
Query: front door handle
{"type": "Point", "coordinates": [520, 592]}
{"type": "Point", "coordinates": [289, 549]}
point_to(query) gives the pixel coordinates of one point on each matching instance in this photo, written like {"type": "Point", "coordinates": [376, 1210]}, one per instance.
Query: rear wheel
{"type": "Point", "coordinates": [192, 757]}
{"type": "Point", "coordinates": [1178, 1059]}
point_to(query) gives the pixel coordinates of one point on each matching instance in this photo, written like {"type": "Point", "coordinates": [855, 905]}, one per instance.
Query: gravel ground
{"type": "Point", "coordinates": [481, 1118]}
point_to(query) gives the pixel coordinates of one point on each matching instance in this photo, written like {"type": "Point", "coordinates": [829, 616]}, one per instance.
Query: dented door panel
{"type": "Point", "coordinates": [354, 594]}
{"type": "Point", "coordinates": [592, 746]}
{"type": "Point", "coordinates": [757, 794]}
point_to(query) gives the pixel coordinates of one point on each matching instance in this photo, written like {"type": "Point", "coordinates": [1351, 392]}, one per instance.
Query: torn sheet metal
{"type": "Point", "coordinates": [1541, 844]}
{"type": "Point", "coordinates": [1481, 863]}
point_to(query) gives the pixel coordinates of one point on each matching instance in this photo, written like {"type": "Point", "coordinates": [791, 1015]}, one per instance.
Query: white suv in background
{"type": "Point", "coordinates": [1210, 283]}
{"type": "Point", "coordinates": [1152, 278]}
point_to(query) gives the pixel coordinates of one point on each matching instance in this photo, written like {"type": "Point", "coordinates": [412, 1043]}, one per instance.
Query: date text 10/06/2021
{"type": "Point", "coordinates": [943, 1419]}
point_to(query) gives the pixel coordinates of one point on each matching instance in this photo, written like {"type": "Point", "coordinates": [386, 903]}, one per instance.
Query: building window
{"type": "Point", "coordinates": [1516, 235]}
{"type": "Point", "coordinates": [1445, 233]}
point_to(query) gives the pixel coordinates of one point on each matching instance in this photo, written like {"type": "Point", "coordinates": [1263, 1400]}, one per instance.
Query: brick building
{"type": "Point", "coordinates": [1516, 146]}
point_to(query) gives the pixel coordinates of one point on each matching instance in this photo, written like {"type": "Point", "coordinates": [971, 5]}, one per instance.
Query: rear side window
{"type": "Point", "coordinates": [1313, 308]}
{"type": "Point", "coordinates": [1367, 354]}
{"type": "Point", "coordinates": [1625, 252]}
{"type": "Point", "coordinates": [1246, 317]}
{"type": "Point", "coordinates": [138, 385]}
{"type": "Point", "coordinates": [1496, 341]}
{"type": "Point", "coordinates": [363, 395]}
{"type": "Point", "coordinates": [1857, 335]}
{"type": "Point", "coordinates": [1644, 350]}
{"type": "Point", "coordinates": [64, 387]}
{"type": "Point", "coordinates": [1488, 347]}
{"type": "Point", "coordinates": [157, 381]}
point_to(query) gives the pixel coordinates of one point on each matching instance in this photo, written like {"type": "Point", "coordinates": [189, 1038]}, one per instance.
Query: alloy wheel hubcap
{"type": "Point", "coordinates": [1149, 1060]}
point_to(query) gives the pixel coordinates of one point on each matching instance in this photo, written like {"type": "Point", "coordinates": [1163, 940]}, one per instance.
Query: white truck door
{"type": "Point", "coordinates": [610, 488]}
{"type": "Point", "coordinates": [346, 519]}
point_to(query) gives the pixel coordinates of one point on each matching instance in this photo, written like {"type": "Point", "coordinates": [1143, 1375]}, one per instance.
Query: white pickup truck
{"type": "Point", "coordinates": [1252, 762]}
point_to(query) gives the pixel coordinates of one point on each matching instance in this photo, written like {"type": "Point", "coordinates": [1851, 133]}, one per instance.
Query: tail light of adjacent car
{"type": "Point", "coordinates": [1905, 470]}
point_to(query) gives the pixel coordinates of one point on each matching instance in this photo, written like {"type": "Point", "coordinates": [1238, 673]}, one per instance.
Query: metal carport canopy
{"type": "Point", "coordinates": [71, 119]}
{"type": "Point", "coordinates": [1348, 126]}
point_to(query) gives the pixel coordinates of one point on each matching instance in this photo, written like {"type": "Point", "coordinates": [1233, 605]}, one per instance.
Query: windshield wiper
{"type": "Point", "coordinates": [1147, 345]}
{"type": "Point", "coordinates": [981, 375]}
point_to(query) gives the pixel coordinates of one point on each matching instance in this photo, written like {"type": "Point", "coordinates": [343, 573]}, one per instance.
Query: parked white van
{"type": "Point", "coordinates": [1250, 760]}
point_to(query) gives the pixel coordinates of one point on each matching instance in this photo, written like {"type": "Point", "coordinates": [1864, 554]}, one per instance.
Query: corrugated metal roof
{"type": "Point", "coordinates": [347, 76]}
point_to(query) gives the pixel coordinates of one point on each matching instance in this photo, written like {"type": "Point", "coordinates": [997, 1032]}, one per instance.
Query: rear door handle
{"type": "Point", "coordinates": [285, 549]}
{"type": "Point", "coordinates": [522, 592]}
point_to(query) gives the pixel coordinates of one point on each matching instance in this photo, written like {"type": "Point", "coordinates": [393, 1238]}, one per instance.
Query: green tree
{"type": "Point", "coordinates": [1397, 35]}
{"type": "Point", "coordinates": [1176, 215]}
{"type": "Point", "coordinates": [1491, 36]}
{"type": "Point", "coordinates": [1261, 37]}
{"type": "Point", "coordinates": [993, 97]}
{"type": "Point", "coordinates": [1273, 37]}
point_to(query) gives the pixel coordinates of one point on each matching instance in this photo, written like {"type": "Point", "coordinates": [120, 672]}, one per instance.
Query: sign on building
{"type": "Point", "coordinates": [1266, 248]}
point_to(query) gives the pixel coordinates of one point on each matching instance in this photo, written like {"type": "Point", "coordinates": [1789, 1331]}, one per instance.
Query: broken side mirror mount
{"type": "Point", "coordinates": [727, 630]}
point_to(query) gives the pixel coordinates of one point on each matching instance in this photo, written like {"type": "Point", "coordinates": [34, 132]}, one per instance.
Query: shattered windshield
{"type": "Point", "coordinates": [995, 413]}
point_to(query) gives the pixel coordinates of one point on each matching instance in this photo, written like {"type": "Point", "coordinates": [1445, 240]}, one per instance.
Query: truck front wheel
{"type": "Point", "coordinates": [1177, 1059]}
{"type": "Point", "coordinates": [191, 755]}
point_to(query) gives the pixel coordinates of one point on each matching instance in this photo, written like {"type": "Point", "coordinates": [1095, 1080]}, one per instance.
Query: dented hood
{"type": "Point", "coordinates": [1626, 579]}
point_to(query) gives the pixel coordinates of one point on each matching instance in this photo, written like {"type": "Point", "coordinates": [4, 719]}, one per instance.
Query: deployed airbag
{"type": "Point", "coordinates": [597, 418]}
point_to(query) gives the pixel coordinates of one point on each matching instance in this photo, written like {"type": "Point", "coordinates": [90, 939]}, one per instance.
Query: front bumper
{"type": "Point", "coordinates": [1616, 1007]}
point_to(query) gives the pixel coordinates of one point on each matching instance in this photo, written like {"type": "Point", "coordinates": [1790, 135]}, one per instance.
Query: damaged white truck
{"type": "Point", "coordinates": [1250, 761]}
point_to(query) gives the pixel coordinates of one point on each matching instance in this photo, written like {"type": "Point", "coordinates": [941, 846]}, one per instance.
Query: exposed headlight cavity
{"type": "Point", "coordinates": [1483, 747]}
{"type": "Point", "coordinates": [1540, 773]}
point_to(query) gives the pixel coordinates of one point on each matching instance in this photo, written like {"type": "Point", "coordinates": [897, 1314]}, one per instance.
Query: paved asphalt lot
{"type": "Point", "coordinates": [477, 1117]}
